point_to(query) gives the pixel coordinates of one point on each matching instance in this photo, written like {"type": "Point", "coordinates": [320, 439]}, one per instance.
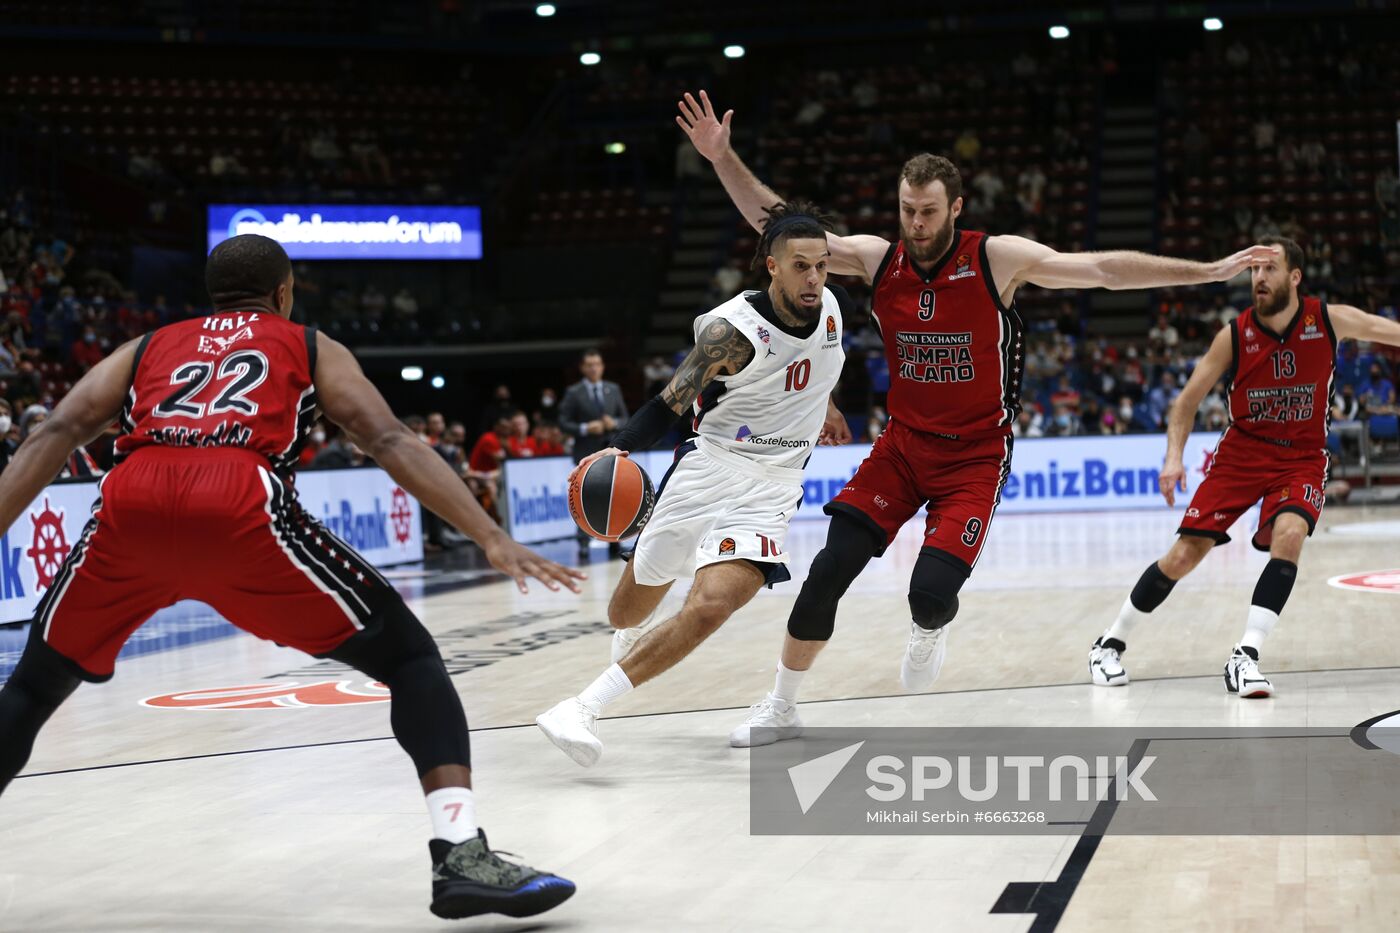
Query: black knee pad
{"type": "Point", "coordinates": [391, 638]}
{"type": "Point", "coordinates": [932, 610]}
{"type": "Point", "coordinates": [425, 711]}
{"type": "Point", "coordinates": [41, 681]}
{"type": "Point", "coordinates": [933, 588]}
{"type": "Point", "coordinates": [849, 547]}
{"type": "Point", "coordinates": [44, 674]}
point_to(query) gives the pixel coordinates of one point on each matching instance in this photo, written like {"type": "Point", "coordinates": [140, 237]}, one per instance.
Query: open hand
{"type": "Point", "coordinates": [1231, 266]}
{"type": "Point", "coordinates": [520, 563]}
{"type": "Point", "coordinates": [709, 135]}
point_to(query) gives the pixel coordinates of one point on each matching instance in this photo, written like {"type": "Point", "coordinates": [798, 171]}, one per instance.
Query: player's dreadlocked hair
{"type": "Point", "coordinates": [795, 220]}
{"type": "Point", "coordinates": [245, 266]}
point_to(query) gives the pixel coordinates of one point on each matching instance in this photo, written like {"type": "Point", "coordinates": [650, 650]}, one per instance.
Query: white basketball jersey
{"type": "Point", "coordinates": [771, 412]}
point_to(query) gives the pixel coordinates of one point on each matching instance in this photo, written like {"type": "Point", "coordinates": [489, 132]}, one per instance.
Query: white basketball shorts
{"type": "Point", "coordinates": [711, 511]}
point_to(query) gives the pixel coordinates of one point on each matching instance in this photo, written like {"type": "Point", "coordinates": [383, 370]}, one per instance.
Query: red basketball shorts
{"type": "Point", "coordinates": [1244, 471]}
{"type": "Point", "coordinates": [213, 525]}
{"type": "Point", "coordinates": [959, 480]}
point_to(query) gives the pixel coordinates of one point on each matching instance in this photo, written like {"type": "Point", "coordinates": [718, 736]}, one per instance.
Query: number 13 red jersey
{"type": "Point", "coordinates": [954, 351]}
{"type": "Point", "coordinates": [226, 380]}
{"type": "Point", "coordinates": [1281, 392]}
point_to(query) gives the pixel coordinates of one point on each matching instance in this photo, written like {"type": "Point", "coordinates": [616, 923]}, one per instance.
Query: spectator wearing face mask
{"type": "Point", "coordinates": [80, 464]}
{"type": "Point", "coordinates": [86, 351]}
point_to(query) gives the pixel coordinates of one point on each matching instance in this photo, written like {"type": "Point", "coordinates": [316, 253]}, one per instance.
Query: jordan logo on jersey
{"type": "Point", "coordinates": [767, 339]}
{"type": "Point", "coordinates": [963, 268]}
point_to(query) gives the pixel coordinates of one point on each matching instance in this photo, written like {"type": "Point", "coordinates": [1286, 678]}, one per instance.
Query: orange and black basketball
{"type": "Point", "coordinates": [612, 499]}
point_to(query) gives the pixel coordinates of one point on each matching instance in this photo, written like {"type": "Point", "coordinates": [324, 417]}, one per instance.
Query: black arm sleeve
{"type": "Point", "coordinates": [646, 427]}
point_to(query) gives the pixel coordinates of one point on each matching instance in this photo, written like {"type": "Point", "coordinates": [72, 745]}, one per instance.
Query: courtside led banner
{"type": "Point", "coordinates": [354, 231]}
{"type": "Point", "coordinates": [1061, 474]}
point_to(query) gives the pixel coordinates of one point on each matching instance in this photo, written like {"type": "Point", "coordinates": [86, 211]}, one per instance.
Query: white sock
{"type": "Point", "coordinates": [785, 687]}
{"type": "Point", "coordinates": [1122, 626]}
{"type": "Point", "coordinates": [610, 685]}
{"type": "Point", "coordinates": [1261, 623]}
{"type": "Point", "coordinates": [453, 812]}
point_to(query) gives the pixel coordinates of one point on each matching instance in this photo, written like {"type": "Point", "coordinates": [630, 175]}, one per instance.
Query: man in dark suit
{"type": "Point", "coordinates": [592, 412]}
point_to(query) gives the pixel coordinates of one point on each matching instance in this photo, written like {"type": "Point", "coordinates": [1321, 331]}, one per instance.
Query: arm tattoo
{"type": "Point", "coordinates": [721, 350]}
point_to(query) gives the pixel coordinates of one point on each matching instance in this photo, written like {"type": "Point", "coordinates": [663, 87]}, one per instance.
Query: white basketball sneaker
{"type": "Point", "coordinates": [1242, 675]}
{"type": "Point", "coordinates": [1106, 663]}
{"type": "Point", "coordinates": [923, 657]}
{"type": "Point", "coordinates": [777, 719]}
{"type": "Point", "coordinates": [624, 638]}
{"type": "Point", "coordinates": [574, 728]}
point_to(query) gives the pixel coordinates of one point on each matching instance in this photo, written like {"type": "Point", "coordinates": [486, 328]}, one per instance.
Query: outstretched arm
{"type": "Point", "coordinates": [850, 255]}
{"type": "Point", "coordinates": [83, 414]}
{"type": "Point", "coordinates": [1017, 261]}
{"type": "Point", "coordinates": [1351, 323]}
{"type": "Point", "coordinates": [1183, 414]}
{"type": "Point", "coordinates": [352, 402]}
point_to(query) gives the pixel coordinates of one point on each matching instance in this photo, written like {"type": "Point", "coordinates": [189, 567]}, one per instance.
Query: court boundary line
{"type": "Point", "coordinates": [684, 712]}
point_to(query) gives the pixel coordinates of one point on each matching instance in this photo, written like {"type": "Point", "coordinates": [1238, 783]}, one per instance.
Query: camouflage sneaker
{"type": "Point", "coordinates": [470, 879]}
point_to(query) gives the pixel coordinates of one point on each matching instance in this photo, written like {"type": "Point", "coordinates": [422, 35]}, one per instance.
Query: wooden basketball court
{"type": "Point", "coordinates": [275, 811]}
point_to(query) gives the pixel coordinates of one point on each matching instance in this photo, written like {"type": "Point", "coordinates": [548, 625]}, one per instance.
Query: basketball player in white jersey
{"type": "Point", "coordinates": [759, 382]}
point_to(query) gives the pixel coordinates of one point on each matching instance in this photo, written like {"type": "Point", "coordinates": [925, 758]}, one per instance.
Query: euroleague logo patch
{"type": "Point", "coordinates": [830, 328]}
{"type": "Point", "coordinates": [963, 268]}
{"type": "Point", "coordinates": [1370, 581]}
{"type": "Point", "coordinates": [726, 547]}
{"type": "Point", "coordinates": [274, 696]}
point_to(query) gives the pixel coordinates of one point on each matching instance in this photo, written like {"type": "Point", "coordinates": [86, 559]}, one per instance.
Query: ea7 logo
{"type": "Point", "coordinates": [218, 345]}
{"type": "Point", "coordinates": [274, 696]}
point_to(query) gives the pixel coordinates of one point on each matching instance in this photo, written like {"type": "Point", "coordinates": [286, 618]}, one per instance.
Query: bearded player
{"type": "Point", "coordinates": [759, 382]}
{"type": "Point", "coordinates": [201, 506]}
{"type": "Point", "coordinates": [1282, 353]}
{"type": "Point", "coordinates": [944, 303]}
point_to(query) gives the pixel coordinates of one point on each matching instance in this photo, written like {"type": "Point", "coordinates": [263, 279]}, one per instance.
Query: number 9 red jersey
{"type": "Point", "coordinates": [236, 379]}
{"type": "Point", "coordinates": [954, 350]}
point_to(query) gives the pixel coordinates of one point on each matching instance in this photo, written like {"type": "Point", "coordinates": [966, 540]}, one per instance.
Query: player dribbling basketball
{"type": "Point", "coordinates": [759, 381]}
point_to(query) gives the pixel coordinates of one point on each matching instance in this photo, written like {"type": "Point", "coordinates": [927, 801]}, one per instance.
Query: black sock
{"type": "Point", "coordinates": [1275, 584]}
{"type": "Point", "coordinates": [1152, 588]}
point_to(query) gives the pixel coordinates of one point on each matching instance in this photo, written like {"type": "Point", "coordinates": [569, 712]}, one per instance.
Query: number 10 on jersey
{"type": "Point", "coordinates": [798, 375]}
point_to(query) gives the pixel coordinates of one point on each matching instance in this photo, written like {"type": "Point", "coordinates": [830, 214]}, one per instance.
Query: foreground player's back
{"type": "Point", "coordinates": [225, 380]}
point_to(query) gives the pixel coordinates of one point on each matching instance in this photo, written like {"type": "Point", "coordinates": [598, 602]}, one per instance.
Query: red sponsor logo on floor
{"type": "Point", "coordinates": [1372, 581]}
{"type": "Point", "coordinates": [274, 696]}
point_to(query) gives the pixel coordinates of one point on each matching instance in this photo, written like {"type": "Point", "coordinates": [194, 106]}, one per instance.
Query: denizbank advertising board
{"type": "Point", "coordinates": [354, 231]}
